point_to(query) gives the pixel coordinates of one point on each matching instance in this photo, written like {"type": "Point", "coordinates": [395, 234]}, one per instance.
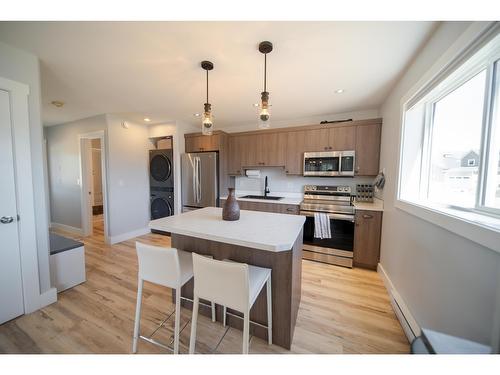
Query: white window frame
{"type": "Point", "coordinates": [475, 225]}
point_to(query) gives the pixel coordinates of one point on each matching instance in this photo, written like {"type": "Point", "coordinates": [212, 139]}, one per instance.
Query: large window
{"type": "Point", "coordinates": [450, 156]}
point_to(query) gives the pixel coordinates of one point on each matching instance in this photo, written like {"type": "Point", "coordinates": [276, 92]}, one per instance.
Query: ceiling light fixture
{"type": "Point", "coordinates": [264, 115]}
{"type": "Point", "coordinates": [57, 103]}
{"type": "Point", "coordinates": [147, 119]}
{"type": "Point", "coordinates": [339, 91]}
{"type": "Point", "coordinates": [207, 124]}
{"type": "Point", "coordinates": [196, 114]}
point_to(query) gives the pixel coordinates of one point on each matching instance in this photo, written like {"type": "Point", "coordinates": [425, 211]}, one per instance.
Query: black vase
{"type": "Point", "coordinates": [231, 209]}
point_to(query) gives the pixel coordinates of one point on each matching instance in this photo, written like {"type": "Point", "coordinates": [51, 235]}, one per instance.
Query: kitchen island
{"type": "Point", "coordinates": [259, 238]}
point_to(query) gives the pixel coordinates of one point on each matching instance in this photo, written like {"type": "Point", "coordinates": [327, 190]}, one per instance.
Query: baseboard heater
{"type": "Point", "coordinates": [408, 324]}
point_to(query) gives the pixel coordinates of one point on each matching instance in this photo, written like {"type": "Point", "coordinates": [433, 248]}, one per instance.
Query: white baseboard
{"type": "Point", "coordinates": [48, 297]}
{"type": "Point", "coordinates": [67, 228]}
{"type": "Point", "coordinates": [405, 317]}
{"type": "Point", "coordinates": [128, 235]}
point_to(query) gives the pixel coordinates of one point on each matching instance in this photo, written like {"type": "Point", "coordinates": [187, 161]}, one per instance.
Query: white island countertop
{"type": "Point", "coordinates": [255, 229]}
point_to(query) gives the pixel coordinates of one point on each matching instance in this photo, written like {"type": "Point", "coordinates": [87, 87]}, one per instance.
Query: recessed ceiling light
{"type": "Point", "coordinates": [196, 114]}
{"type": "Point", "coordinates": [255, 104]}
{"type": "Point", "coordinates": [339, 91]}
{"type": "Point", "coordinates": [147, 119]}
{"type": "Point", "coordinates": [57, 103]}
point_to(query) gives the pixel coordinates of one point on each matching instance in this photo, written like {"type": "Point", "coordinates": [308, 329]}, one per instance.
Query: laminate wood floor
{"type": "Point", "coordinates": [342, 311]}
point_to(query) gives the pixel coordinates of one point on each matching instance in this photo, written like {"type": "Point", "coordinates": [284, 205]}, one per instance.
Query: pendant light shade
{"type": "Point", "coordinates": [264, 107]}
{"type": "Point", "coordinates": [207, 124]}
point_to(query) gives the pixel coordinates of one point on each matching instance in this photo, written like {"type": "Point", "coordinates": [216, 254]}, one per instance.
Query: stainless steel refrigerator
{"type": "Point", "coordinates": [200, 180]}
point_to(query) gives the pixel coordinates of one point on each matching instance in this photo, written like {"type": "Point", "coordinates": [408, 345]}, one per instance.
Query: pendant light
{"type": "Point", "coordinates": [264, 114]}
{"type": "Point", "coordinates": [207, 124]}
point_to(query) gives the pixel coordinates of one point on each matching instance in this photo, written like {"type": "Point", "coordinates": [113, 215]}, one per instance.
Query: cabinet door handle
{"type": "Point", "coordinates": [289, 209]}
{"type": "Point", "coordinates": [365, 216]}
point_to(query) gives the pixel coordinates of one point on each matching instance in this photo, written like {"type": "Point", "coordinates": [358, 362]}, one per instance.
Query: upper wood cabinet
{"type": "Point", "coordinates": [367, 149]}
{"type": "Point", "coordinates": [342, 139]}
{"type": "Point", "coordinates": [256, 150]}
{"type": "Point", "coordinates": [286, 146]}
{"type": "Point", "coordinates": [295, 147]}
{"type": "Point", "coordinates": [200, 143]}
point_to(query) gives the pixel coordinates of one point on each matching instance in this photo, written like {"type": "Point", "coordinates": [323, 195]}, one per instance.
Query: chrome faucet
{"type": "Point", "coordinates": [266, 188]}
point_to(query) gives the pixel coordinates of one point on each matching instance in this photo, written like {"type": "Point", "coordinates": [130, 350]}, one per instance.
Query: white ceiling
{"type": "Point", "coordinates": [153, 68]}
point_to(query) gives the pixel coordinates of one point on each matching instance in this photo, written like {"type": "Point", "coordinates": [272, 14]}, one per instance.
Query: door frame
{"type": "Point", "coordinates": [85, 181]}
{"type": "Point", "coordinates": [28, 247]}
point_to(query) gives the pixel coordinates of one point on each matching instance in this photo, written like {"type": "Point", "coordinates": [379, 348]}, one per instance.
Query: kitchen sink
{"type": "Point", "coordinates": [263, 197]}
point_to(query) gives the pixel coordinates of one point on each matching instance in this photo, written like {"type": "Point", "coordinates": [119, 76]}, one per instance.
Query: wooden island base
{"type": "Point", "coordinates": [286, 269]}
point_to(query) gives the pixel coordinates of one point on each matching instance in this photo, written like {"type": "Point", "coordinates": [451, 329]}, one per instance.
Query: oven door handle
{"type": "Point", "coordinates": [345, 217]}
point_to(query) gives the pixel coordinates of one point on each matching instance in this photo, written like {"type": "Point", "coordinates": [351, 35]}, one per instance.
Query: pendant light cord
{"type": "Point", "coordinates": [207, 86]}
{"type": "Point", "coordinates": [265, 70]}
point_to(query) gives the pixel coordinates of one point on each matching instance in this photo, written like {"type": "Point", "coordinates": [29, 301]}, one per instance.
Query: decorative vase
{"type": "Point", "coordinates": [231, 209]}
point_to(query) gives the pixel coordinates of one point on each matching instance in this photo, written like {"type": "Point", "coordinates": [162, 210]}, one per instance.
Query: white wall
{"type": "Point", "coordinates": [354, 115]}
{"type": "Point", "coordinates": [23, 67]}
{"type": "Point", "coordinates": [279, 182]}
{"type": "Point", "coordinates": [128, 179]}
{"type": "Point", "coordinates": [448, 282]}
{"type": "Point", "coordinates": [64, 168]}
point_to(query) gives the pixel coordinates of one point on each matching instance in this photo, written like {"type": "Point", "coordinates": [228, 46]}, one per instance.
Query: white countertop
{"type": "Point", "coordinates": [255, 229]}
{"type": "Point", "coordinates": [376, 205]}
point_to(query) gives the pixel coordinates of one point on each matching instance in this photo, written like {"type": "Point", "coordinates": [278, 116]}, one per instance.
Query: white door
{"type": "Point", "coordinates": [11, 288]}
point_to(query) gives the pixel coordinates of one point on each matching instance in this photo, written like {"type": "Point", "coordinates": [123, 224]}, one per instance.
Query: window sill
{"type": "Point", "coordinates": [482, 229]}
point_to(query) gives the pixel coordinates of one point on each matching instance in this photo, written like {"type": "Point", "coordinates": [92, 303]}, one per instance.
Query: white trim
{"type": "Point", "coordinates": [403, 313]}
{"type": "Point", "coordinates": [86, 215]}
{"type": "Point", "coordinates": [67, 228]}
{"type": "Point", "coordinates": [127, 236]}
{"type": "Point", "coordinates": [48, 297]}
{"type": "Point", "coordinates": [479, 231]}
{"type": "Point", "coordinates": [19, 93]}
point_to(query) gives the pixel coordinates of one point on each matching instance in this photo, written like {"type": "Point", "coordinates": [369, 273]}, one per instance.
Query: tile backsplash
{"type": "Point", "coordinates": [279, 182]}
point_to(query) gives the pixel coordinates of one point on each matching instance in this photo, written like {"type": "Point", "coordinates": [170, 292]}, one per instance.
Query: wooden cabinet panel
{"type": "Point", "coordinates": [316, 140]}
{"type": "Point", "coordinates": [235, 155]}
{"type": "Point", "coordinates": [270, 149]}
{"type": "Point", "coordinates": [295, 147]}
{"type": "Point", "coordinates": [201, 143]}
{"type": "Point", "coordinates": [367, 238]}
{"type": "Point", "coordinates": [367, 149]}
{"type": "Point", "coordinates": [279, 208]}
{"type": "Point", "coordinates": [342, 139]}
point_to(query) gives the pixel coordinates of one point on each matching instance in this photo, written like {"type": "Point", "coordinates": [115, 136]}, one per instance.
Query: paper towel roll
{"type": "Point", "coordinates": [252, 173]}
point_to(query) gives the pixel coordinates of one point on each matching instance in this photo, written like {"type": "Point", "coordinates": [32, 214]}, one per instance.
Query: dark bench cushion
{"type": "Point", "coordinates": [58, 244]}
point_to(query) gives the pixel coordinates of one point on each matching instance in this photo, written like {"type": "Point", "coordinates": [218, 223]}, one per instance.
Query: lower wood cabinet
{"type": "Point", "coordinates": [367, 233]}
{"type": "Point", "coordinates": [279, 208]}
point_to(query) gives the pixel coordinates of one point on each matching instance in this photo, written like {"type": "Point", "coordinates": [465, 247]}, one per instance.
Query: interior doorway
{"type": "Point", "coordinates": [93, 182]}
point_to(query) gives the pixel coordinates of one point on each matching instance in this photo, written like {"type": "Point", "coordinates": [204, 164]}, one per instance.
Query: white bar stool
{"type": "Point", "coordinates": [231, 284]}
{"type": "Point", "coordinates": [167, 267]}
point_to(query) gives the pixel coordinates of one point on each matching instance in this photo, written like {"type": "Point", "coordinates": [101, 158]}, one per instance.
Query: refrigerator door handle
{"type": "Point", "coordinates": [194, 180]}
{"type": "Point", "coordinates": [199, 180]}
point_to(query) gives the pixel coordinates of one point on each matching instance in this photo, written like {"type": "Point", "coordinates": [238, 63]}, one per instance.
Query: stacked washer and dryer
{"type": "Point", "coordinates": [161, 183]}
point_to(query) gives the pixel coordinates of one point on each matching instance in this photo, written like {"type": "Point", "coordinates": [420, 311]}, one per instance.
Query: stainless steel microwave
{"type": "Point", "coordinates": [329, 163]}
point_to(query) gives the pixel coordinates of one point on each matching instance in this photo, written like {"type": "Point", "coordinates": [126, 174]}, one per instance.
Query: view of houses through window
{"type": "Point", "coordinates": [451, 139]}
{"type": "Point", "coordinates": [456, 141]}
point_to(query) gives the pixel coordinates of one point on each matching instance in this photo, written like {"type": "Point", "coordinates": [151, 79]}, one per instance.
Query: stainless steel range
{"type": "Point", "coordinates": [336, 202]}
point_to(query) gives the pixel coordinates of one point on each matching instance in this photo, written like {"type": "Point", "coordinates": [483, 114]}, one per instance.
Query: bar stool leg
{"type": "Point", "coordinates": [213, 311]}
{"type": "Point", "coordinates": [194, 320]}
{"type": "Point", "coordinates": [177, 319]}
{"type": "Point", "coordinates": [224, 310]}
{"type": "Point", "coordinates": [137, 316]}
{"type": "Point", "coordinates": [246, 331]}
{"type": "Point", "coordinates": [269, 312]}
